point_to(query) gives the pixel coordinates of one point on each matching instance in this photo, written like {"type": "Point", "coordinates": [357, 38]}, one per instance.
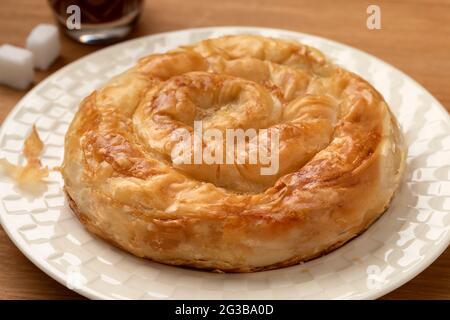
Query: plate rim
{"type": "Point", "coordinates": [87, 292]}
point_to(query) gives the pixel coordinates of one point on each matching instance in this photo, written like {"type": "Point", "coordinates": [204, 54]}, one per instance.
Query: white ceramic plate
{"type": "Point", "coordinates": [408, 237]}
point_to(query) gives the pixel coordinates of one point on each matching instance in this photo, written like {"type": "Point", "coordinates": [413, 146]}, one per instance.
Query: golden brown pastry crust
{"type": "Point", "coordinates": [341, 156]}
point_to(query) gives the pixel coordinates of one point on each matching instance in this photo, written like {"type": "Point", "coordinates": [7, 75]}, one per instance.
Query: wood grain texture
{"type": "Point", "coordinates": [415, 37]}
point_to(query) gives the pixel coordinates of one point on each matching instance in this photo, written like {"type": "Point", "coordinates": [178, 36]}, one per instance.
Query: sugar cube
{"type": "Point", "coordinates": [16, 66]}
{"type": "Point", "coordinates": [43, 41]}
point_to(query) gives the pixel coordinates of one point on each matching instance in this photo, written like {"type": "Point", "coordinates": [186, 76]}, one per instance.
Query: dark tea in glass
{"type": "Point", "coordinates": [96, 21]}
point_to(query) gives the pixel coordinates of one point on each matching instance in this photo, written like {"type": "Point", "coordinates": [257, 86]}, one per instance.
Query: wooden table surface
{"type": "Point", "coordinates": [415, 37]}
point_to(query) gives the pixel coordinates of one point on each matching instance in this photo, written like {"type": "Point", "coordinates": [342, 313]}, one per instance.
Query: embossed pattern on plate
{"type": "Point", "coordinates": [404, 241]}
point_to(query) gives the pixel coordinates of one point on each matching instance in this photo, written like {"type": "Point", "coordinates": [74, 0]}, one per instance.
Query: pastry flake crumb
{"type": "Point", "coordinates": [32, 174]}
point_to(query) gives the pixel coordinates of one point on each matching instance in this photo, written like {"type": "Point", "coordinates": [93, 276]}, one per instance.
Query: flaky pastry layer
{"type": "Point", "coordinates": [341, 156]}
